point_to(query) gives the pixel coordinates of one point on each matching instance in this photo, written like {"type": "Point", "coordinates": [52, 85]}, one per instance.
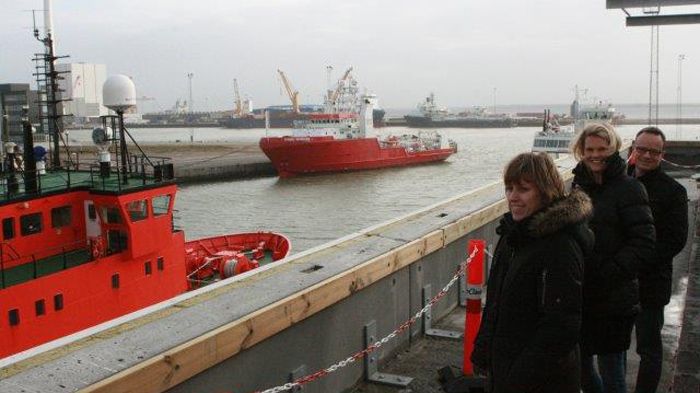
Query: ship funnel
{"type": "Point", "coordinates": [369, 101]}
{"type": "Point", "coordinates": [119, 93]}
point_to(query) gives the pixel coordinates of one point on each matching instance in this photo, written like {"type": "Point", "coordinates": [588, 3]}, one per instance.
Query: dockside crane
{"type": "Point", "coordinates": [293, 94]}
{"type": "Point", "coordinates": [238, 104]}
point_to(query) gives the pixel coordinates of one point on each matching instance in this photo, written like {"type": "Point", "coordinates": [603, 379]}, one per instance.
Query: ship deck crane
{"type": "Point", "coordinates": [293, 94]}
{"type": "Point", "coordinates": [333, 98]}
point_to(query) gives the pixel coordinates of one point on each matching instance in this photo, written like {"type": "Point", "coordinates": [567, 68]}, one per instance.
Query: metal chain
{"type": "Point", "coordinates": [373, 347]}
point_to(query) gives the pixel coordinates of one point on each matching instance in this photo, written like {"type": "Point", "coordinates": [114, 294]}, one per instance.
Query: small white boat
{"type": "Point", "coordinates": [556, 139]}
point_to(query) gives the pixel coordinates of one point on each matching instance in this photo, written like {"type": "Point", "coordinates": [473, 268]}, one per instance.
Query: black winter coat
{"type": "Point", "coordinates": [528, 338]}
{"type": "Point", "coordinates": [624, 244]}
{"type": "Point", "coordinates": [669, 205]}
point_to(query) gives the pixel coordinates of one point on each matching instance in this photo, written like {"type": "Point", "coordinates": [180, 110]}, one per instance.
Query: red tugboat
{"type": "Point", "coordinates": [81, 246]}
{"type": "Point", "coordinates": [334, 142]}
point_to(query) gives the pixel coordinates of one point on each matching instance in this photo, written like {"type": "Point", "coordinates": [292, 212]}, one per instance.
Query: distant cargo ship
{"type": "Point", "coordinates": [282, 116]}
{"type": "Point", "coordinates": [433, 116]}
{"type": "Point", "coordinates": [335, 142]}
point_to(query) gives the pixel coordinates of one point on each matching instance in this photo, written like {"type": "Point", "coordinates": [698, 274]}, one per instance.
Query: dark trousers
{"type": "Point", "coordinates": [648, 327]}
{"type": "Point", "coordinates": [608, 376]}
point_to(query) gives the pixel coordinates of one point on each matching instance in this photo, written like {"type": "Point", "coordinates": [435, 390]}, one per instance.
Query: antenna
{"type": "Point", "coordinates": [190, 106]}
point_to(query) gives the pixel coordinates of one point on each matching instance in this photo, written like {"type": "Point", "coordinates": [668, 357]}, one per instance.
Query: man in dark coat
{"type": "Point", "coordinates": [669, 205]}
{"type": "Point", "coordinates": [624, 244]}
{"type": "Point", "coordinates": [528, 339]}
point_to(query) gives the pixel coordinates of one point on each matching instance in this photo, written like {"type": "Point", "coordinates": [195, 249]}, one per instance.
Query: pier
{"type": "Point", "coordinates": [316, 308]}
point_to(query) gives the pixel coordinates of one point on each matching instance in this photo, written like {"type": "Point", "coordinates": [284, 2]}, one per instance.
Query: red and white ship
{"type": "Point", "coordinates": [333, 142]}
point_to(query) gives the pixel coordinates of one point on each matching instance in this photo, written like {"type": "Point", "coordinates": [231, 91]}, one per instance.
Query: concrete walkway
{"type": "Point", "coordinates": [681, 333]}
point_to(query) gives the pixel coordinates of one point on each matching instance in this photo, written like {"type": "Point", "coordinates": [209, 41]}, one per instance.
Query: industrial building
{"type": "Point", "coordinates": [81, 85]}
{"type": "Point", "coordinates": [13, 98]}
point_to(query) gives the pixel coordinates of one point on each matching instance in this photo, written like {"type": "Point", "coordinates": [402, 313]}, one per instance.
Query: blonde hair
{"type": "Point", "coordinates": [539, 169]}
{"type": "Point", "coordinates": [601, 130]}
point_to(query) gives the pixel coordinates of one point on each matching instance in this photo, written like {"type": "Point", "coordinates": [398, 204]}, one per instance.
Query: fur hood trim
{"type": "Point", "coordinates": [574, 208]}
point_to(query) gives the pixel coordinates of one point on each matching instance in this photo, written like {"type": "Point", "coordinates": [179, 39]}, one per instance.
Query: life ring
{"type": "Point", "coordinates": [96, 248]}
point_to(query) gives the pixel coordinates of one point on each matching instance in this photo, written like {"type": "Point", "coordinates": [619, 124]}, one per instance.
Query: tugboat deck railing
{"type": "Point", "coordinates": [141, 173]}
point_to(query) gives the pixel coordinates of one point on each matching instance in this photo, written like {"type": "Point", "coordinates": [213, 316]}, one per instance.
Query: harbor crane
{"type": "Point", "coordinates": [238, 104]}
{"type": "Point", "coordinates": [293, 94]}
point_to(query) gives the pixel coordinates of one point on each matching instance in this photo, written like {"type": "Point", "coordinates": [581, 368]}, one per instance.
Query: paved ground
{"type": "Point", "coordinates": [423, 358]}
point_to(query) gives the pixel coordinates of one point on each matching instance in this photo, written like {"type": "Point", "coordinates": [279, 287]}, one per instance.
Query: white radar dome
{"type": "Point", "coordinates": [119, 92]}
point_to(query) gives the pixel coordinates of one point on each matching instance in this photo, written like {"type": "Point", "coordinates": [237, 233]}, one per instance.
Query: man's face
{"type": "Point", "coordinates": [649, 149]}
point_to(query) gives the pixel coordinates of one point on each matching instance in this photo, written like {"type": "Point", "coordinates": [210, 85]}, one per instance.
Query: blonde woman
{"type": "Point", "coordinates": [624, 243]}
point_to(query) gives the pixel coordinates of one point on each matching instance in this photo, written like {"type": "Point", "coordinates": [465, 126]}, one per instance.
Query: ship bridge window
{"type": "Point", "coordinates": [116, 241]}
{"type": "Point", "coordinates": [61, 216]}
{"type": "Point", "coordinates": [161, 204]}
{"type": "Point", "coordinates": [30, 224]}
{"type": "Point", "coordinates": [111, 215]}
{"type": "Point", "coordinates": [137, 210]}
{"type": "Point", "coordinates": [8, 228]}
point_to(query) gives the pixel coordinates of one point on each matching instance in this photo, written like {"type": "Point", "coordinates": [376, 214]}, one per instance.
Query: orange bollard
{"type": "Point", "coordinates": [475, 285]}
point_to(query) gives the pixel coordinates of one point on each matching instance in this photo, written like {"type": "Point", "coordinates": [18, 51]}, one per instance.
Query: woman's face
{"type": "Point", "coordinates": [523, 199]}
{"type": "Point", "coordinates": [595, 151]}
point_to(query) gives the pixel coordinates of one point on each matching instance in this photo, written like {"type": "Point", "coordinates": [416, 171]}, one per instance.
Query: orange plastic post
{"type": "Point", "coordinates": [475, 285]}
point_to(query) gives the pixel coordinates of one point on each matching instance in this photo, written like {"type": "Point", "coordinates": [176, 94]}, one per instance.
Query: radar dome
{"type": "Point", "coordinates": [119, 93]}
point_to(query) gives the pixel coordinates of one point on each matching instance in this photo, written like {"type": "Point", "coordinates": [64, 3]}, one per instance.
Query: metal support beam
{"type": "Point", "coordinates": [428, 317]}
{"type": "Point", "coordinates": [661, 20]}
{"type": "Point", "coordinates": [462, 289]}
{"type": "Point", "coordinates": [611, 4]}
{"type": "Point", "coordinates": [296, 374]}
{"type": "Point", "coordinates": [372, 363]}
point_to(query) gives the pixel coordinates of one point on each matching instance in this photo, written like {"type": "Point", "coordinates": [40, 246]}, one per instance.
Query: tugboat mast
{"type": "Point", "coordinates": [47, 81]}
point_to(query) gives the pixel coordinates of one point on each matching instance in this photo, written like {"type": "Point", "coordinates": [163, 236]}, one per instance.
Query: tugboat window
{"type": "Point", "coordinates": [161, 204]}
{"type": "Point", "coordinates": [116, 241]}
{"type": "Point", "coordinates": [58, 302]}
{"type": "Point", "coordinates": [40, 307]}
{"type": "Point", "coordinates": [137, 210]}
{"type": "Point", "coordinates": [111, 215]}
{"type": "Point", "coordinates": [8, 228]}
{"type": "Point", "coordinates": [30, 224]}
{"type": "Point", "coordinates": [60, 216]}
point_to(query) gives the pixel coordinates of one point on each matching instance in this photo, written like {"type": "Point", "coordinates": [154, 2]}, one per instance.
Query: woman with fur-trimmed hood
{"type": "Point", "coordinates": [528, 339]}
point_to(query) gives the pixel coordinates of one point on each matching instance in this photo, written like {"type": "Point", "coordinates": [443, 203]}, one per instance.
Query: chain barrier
{"type": "Point", "coordinates": [378, 344]}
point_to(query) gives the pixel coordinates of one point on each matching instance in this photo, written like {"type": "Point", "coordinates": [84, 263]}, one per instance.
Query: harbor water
{"type": "Point", "coordinates": [312, 210]}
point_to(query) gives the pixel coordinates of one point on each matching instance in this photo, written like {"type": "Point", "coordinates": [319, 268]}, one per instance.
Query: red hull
{"type": "Point", "coordinates": [299, 155]}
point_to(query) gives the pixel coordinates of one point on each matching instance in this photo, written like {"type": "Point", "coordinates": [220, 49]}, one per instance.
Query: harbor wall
{"type": "Point", "coordinates": [225, 171]}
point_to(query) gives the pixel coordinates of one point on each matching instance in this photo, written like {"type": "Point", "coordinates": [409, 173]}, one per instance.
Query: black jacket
{"type": "Point", "coordinates": [528, 338]}
{"type": "Point", "coordinates": [669, 205]}
{"type": "Point", "coordinates": [624, 244]}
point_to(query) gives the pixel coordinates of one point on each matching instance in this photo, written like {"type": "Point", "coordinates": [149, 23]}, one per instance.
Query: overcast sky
{"type": "Point", "coordinates": [529, 51]}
